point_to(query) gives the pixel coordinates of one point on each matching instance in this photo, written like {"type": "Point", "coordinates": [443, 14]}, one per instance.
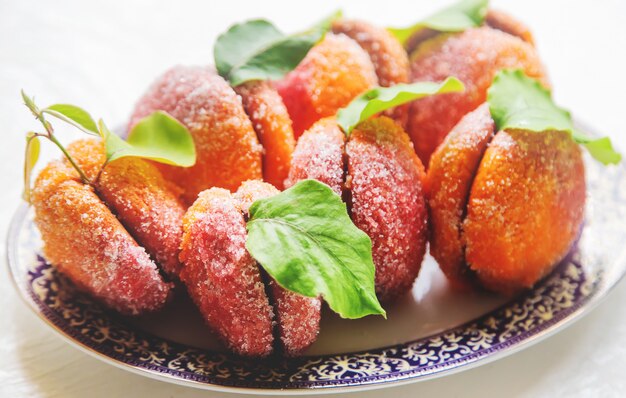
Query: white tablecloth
{"type": "Point", "coordinates": [102, 55]}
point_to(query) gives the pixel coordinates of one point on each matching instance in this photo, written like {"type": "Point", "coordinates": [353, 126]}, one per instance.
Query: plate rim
{"type": "Point", "coordinates": [606, 286]}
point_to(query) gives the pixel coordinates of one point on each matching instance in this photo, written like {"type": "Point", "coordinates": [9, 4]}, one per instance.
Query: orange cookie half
{"type": "Point", "coordinates": [448, 183]}
{"type": "Point", "coordinates": [272, 124]}
{"type": "Point", "coordinates": [385, 180]}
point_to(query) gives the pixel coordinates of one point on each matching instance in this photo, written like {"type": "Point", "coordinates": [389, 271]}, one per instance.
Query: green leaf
{"type": "Point", "coordinates": [600, 149]}
{"type": "Point", "coordinates": [113, 143]}
{"type": "Point", "coordinates": [455, 18]}
{"type": "Point", "coordinates": [380, 99]}
{"type": "Point", "coordinates": [517, 101]}
{"type": "Point", "coordinates": [257, 50]}
{"type": "Point", "coordinates": [74, 115]}
{"type": "Point", "coordinates": [33, 147]}
{"type": "Point", "coordinates": [304, 238]}
{"type": "Point", "coordinates": [246, 38]}
{"type": "Point", "coordinates": [158, 137]}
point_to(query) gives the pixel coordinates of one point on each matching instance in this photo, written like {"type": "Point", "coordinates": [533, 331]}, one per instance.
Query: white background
{"type": "Point", "coordinates": [102, 55]}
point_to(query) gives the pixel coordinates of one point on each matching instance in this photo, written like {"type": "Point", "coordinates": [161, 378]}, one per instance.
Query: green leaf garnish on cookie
{"type": "Point", "coordinates": [380, 99]}
{"type": "Point", "coordinates": [517, 101]}
{"type": "Point", "coordinates": [304, 238]}
{"type": "Point", "coordinates": [455, 18]}
{"type": "Point", "coordinates": [158, 137]}
{"type": "Point", "coordinates": [257, 50]}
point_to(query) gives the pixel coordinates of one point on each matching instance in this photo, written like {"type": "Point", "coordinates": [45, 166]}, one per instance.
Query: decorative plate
{"type": "Point", "coordinates": [431, 332]}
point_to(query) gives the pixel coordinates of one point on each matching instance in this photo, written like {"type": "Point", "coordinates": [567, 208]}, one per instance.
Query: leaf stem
{"type": "Point", "coordinates": [30, 104]}
{"type": "Point", "coordinates": [95, 180]}
{"type": "Point", "coordinates": [69, 157]}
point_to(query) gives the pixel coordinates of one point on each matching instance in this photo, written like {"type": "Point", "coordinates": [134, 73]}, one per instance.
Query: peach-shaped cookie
{"type": "Point", "coordinates": [272, 124]}
{"type": "Point", "coordinates": [297, 316]}
{"type": "Point", "coordinates": [474, 56]}
{"type": "Point", "coordinates": [87, 243]}
{"type": "Point", "coordinates": [147, 205]}
{"type": "Point", "coordinates": [228, 151]}
{"type": "Point", "coordinates": [328, 78]}
{"type": "Point", "coordinates": [222, 278]}
{"type": "Point", "coordinates": [383, 189]}
{"type": "Point", "coordinates": [504, 208]}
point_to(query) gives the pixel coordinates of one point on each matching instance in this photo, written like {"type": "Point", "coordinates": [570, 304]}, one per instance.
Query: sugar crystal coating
{"type": "Point", "coordinates": [297, 316]}
{"type": "Point", "coordinates": [272, 124]}
{"type": "Point", "coordinates": [319, 155]}
{"type": "Point", "coordinates": [525, 208]}
{"type": "Point", "coordinates": [448, 182]}
{"type": "Point", "coordinates": [222, 278]}
{"type": "Point", "coordinates": [328, 78]}
{"type": "Point", "coordinates": [87, 243]}
{"type": "Point", "coordinates": [228, 151]}
{"type": "Point", "coordinates": [251, 191]}
{"type": "Point", "coordinates": [146, 204]}
{"type": "Point", "coordinates": [298, 319]}
{"type": "Point", "coordinates": [473, 56]}
{"type": "Point", "coordinates": [385, 178]}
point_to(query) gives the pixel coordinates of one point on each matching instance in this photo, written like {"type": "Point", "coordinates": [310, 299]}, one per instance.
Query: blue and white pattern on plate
{"type": "Point", "coordinates": [584, 277]}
